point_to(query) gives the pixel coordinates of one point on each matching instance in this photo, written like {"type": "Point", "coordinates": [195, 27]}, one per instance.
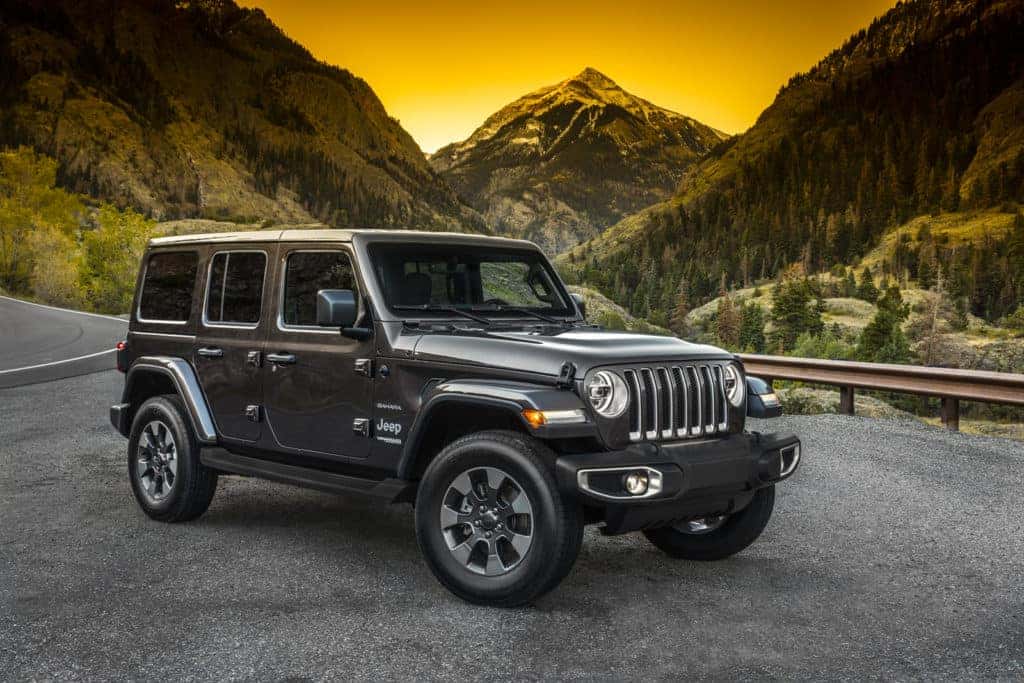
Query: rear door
{"type": "Point", "coordinates": [229, 344]}
{"type": "Point", "coordinates": [318, 385]}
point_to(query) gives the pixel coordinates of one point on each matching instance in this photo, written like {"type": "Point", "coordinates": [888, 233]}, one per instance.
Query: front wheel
{"type": "Point", "coordinates": [491, 523]}
{"type": "Point", "coordinates": [717, 537]}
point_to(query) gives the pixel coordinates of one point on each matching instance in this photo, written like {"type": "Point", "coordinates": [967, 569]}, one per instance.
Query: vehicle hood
{"type": "Point", "coordinates": [545, 352]}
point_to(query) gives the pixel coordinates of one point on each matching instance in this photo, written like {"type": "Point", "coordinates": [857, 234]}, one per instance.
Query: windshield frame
{"type": "Point", "coordinates": [386, 309]}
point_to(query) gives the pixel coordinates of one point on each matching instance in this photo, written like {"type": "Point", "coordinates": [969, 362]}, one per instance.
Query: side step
{"type": "Point", "coordinates": [385, 490]}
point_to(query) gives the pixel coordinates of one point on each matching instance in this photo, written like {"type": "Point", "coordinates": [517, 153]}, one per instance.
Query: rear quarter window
{"type": "Point", "coordinates": [167, 286]}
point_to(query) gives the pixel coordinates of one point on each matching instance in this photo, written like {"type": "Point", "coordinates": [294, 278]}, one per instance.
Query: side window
{"type": "Point", "coordinates": [167, 287]}
{"type": "Point", "coordinates": [235, 290]}
{"type": "Point", "coordinates": [306, 273]}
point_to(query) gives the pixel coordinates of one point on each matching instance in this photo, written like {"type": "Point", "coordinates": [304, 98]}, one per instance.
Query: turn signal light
{"type": "Point", "coordinates": [535, 418]}
{"type": "Point", "coordinates": [538, 418]}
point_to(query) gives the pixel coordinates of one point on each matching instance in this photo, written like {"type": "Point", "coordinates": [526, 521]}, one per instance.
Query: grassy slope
{"type": "Point", "coordinates": [948, 229]}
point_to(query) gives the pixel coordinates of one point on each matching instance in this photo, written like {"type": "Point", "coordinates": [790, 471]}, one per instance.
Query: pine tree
{"type": "Point", "coordinates": [677, 320]}
{"type": "Point", "coordinates": [850, 284]}
{"type": "Point", "coordinates": [727, 322]}
{"type": "Point", "coordinates": [793, 313]}
{"type": "Point", "coordinates": [883, 340]}
{"type": "Point", "coordinates": [867, 290]}
{"type": "Point", "coordinates": [751, 339]}
{"type": "Point", "coordinates": [926, 265]}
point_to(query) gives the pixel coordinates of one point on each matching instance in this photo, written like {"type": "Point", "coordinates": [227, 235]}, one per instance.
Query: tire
{"type": "Point", "coordinates": [733, 534]}
{"type": "Point", "coordinates": [169, 482]}
{"type": "Point", "coordinates": [527, 553]}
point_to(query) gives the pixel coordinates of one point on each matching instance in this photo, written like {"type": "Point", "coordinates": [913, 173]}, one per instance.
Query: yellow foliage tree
{"type": "Point", "coordinates": [56, 261]}
{"type": "Point", "coordinates": [34, 214]}
{"type": "Point", "coordinates": [111, 255]}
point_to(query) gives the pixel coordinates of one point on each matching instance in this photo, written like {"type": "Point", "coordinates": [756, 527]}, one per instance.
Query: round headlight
{"type": "Point", "coordinates": [735, 387]}
{"type": "Point", "coordinates": [607, 393]}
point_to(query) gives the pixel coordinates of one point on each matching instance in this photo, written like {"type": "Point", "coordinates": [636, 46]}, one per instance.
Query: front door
{"type": "Point", "coordinates": [229, 342]}
{"type": "Point", "coordinates": [316, 390]}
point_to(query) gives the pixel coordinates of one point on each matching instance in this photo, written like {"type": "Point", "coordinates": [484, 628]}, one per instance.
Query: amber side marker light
{"type": "Point", "coordinates": [538, 418]}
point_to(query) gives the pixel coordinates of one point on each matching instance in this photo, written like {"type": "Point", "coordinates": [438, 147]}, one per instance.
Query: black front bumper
{"type": "Point", "coordinates": [697, 479]}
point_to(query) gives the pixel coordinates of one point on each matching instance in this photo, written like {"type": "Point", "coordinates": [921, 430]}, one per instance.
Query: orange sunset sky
{"type": "Point", "coordinates": [442, 67]}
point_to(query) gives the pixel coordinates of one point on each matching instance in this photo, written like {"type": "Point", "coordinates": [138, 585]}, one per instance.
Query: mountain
{"type": "Point", "coordinates": [202, 109]}
{"type": "Point", "coordinates": [563, 163]}
{"type": "Point", "coordinates": [922, 113]}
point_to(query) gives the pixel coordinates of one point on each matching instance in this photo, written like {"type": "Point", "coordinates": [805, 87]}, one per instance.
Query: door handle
{"type": "Point", "coordinates": [210, 352]}
{"type": "Point", "coordinates": [281, 358]}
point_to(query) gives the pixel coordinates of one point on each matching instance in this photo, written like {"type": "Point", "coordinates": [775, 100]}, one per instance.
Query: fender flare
{"type": "Point", "coordinates": [187, 384]}
{"type": "Point", "coordinates": [509, 397]}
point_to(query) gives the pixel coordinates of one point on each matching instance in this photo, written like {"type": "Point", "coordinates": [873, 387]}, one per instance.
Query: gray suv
{"type": "Point", "coordinates": [453, 372]}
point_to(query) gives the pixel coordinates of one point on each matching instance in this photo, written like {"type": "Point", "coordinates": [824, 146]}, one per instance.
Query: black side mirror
{"type": "Point", "coordinates": [580, 304]}
{"type": "Point", "coordinates": [336, 308]}
{"type": "Point", "coordinates": [762, 401]}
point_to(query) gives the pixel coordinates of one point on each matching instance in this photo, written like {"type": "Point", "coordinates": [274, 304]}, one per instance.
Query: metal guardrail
{"type": "Point", "coordinates": [950, 385]}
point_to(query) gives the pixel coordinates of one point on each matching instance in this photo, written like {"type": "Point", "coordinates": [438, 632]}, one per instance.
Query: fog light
{"type": "Point", "coordinates": [636, 483]}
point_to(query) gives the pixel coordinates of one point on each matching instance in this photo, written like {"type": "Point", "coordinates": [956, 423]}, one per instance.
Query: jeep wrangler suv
{"type": "Point", "coordinates": [453, 372]}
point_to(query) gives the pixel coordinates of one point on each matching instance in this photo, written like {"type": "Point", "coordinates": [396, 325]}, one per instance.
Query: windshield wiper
{"type": "Point", "coordinates": [431, 308]}
{"type": "Point", "coordinates": [500, 308]}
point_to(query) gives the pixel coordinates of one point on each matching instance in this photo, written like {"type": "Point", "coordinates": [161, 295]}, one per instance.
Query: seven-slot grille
{"type": "Point", "coordinates": [676, 401]}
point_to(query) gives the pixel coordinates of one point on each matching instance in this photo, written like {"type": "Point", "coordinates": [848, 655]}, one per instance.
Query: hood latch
{"type": "Point", "coordinates": [566, 376]}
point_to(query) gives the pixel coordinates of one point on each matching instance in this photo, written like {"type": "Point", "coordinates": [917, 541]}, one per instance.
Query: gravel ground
{"type": "Point", "coordinates": [897, 551]}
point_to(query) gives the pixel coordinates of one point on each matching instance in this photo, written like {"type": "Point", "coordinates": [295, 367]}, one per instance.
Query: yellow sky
{"type": "Point", "coordinates": [442, 67]}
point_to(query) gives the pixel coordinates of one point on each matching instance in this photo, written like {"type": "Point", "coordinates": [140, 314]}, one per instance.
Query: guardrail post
{"type": "Point", "coordinates": [951, 413]}
{"type": "Point", "coordinates": [846, 401]}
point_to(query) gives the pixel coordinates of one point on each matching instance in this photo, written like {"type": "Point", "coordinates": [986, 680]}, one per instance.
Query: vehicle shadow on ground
{"type": "Point", "coordinates": [379, 540]}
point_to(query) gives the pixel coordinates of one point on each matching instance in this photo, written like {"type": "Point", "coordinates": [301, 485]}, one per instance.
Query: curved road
{"type": "Point", "coordinates": [41, 343]}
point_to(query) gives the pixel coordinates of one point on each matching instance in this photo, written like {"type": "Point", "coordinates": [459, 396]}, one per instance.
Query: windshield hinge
{"type": "Point", "coordinates": [566, 376]}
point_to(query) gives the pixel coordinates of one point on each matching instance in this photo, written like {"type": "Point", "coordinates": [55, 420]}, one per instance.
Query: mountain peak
{"type": "Point", "coordinates": [565, 161]}
{"type": "Point", "coordinates": [594, 78]}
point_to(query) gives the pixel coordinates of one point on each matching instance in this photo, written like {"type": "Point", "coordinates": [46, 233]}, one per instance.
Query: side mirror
{"type": "Point", "coordinates": [580, 304]}
{"type": "Point", "coordinates": [762, 401]}
{"type": "Point", "coordinates": [336, 308]}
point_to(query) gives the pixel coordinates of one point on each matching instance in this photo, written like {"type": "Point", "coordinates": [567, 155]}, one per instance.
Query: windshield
{"type": "Point", "coordinates": [492, 281]}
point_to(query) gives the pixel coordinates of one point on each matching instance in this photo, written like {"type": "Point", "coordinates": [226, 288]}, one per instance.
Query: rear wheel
{"type": "Point", "coordinates": [491, 523]}
{"type": "Point", "coordinates": [716, 537]}
{"type": "Point", "coordinates": [169, 482]}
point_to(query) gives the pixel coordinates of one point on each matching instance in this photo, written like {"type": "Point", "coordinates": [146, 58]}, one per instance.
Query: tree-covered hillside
{"type": "Point", "coordinates": [203, 109]}
{"type": "Point", "coordinates": [920, 114]}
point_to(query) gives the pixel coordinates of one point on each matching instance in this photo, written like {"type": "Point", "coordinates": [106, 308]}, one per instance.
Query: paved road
{"type": "Point", "coordinates": [42, 343]}
{"type": "Point", "coordinates": [897, 551]}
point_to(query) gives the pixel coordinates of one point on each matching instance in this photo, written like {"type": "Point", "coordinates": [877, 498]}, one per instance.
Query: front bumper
{"type": "Point", "coordinates": [697, 479]}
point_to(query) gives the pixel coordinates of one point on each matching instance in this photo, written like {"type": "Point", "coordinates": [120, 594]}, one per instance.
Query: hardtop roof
{"type": "Point", "coordinates": [332, 235]}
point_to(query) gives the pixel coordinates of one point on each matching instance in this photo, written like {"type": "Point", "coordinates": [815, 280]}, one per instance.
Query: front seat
{"type": "Point", "coordinates": [416, 289]}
